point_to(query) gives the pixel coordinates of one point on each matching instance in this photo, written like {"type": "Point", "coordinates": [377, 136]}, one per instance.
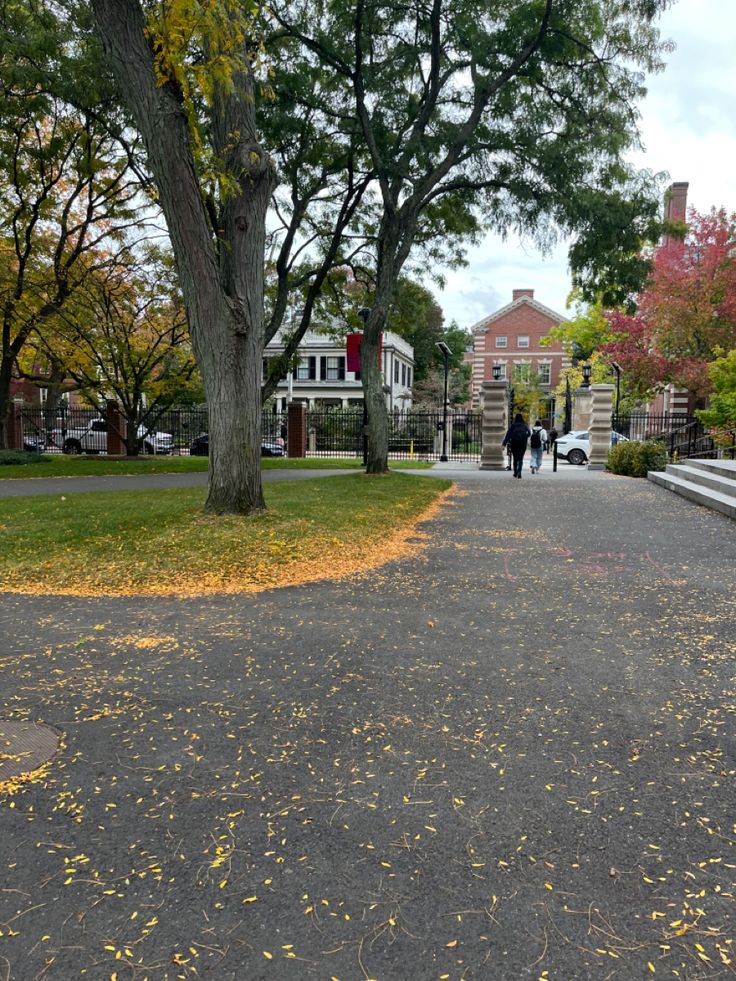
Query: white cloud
{"type": "Point", "coordinates": [688, 130]}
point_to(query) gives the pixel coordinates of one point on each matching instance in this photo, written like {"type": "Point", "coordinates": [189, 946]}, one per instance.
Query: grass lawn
{"type": "Point", "coordinates": [93, 466]}
{"type": "Point", "coordinates": [134, 542]}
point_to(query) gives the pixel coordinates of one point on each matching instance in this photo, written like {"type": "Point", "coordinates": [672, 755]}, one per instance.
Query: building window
{"type": "Point", "coordinates": [544, 372]}
{"type": "Point", "coordinates": [307, 369]}
{"type": "Point", "coordinates": [502, 375]}
{"type": "Point", "coordinates": [521, 372]}
{"type": "Point", "coordinates": [403, 374]}
{"type": "Point", "coordinates": [502, 341]}
{"type": "Point", "coordinates": [408, 377]}
{"type": "Point", "coordinates": [333, 368]}
{"type": "Point", "coordinates": [396, 372]}
{"type": "Point", "coordinates": [522, 340]}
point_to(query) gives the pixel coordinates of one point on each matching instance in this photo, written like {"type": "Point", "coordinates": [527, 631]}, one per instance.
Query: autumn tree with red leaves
{"type": "Point", "coordinates": [686, 315]}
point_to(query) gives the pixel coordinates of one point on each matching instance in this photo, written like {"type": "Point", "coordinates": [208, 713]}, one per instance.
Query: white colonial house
{"type": "Point", "coordinates": [321, 378]}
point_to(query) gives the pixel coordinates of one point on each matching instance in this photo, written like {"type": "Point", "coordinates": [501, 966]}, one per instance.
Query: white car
{"type": "Point", "coordinates": [92, 438]}
{"type": "Point", "coordinates": [575, 446]}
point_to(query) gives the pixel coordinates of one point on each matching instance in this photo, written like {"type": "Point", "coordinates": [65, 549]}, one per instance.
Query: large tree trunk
{"type": "Point", "coordinates": [375, 401]}
{"type": "Point", "coordinates": [223, 289]}
{"type": "Point", "coordinates": [394, 243]}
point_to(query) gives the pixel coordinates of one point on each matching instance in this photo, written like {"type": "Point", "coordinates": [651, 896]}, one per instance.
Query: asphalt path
{"type": "Point", "coordinates": [511, 756]}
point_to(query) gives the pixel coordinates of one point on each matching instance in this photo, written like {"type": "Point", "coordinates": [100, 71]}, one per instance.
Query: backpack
{"type": "Point", "coordinates": [536, 440]}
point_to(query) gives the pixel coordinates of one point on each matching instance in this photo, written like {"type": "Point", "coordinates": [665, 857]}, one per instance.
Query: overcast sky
{"type": "Point", "coordinates": [688, 129]}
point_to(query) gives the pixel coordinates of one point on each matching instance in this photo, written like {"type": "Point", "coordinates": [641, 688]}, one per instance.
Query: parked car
{"type": "Point", "coordinates": [575, 446]}
{"type": "Point", "coordinates": [200, 446]}
{"type": "Point", "coordinates": [34, 444]}
{"type": "Point", "coordinates": [92, 438]}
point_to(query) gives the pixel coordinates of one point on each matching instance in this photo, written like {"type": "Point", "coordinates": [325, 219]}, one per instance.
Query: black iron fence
{"type": "Point", "coordinates": [413, 435]}
{"type": "Point", "coordinates": [645, 425]}
{"type": "Point", "coordinates": [684, 436]}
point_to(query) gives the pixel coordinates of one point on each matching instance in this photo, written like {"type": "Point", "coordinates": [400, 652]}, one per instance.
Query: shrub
{"type": "Point", "coordinates": [632, 459]}
{"type": "Point", "coordinates": [10, 457]}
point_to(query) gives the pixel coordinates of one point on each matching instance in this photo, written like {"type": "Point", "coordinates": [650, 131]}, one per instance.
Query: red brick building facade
{"type": "Point", "coordinates": [510, 338]}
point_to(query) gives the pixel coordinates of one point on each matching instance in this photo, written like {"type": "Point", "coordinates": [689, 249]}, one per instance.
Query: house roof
{"type": "Point", "coordinates": [483, 324]}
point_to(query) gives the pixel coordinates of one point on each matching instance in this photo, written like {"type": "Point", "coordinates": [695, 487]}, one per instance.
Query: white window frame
{"type": "Point", "coordinates": [522, 340]}
{"type": "Point", "coordinates": [547, 367]}
{"type": "Point", "coordinates": [502, 340]}
{"type": "Point", "coordinates": [502, 366]}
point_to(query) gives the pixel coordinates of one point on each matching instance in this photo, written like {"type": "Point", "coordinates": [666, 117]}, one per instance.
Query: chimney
{"type": "Point", "coordinates": [675, 207]}
{"type": "Point", "coordinates": [675, 201]}
{"type": "Point", "coordinates": [517, 294]}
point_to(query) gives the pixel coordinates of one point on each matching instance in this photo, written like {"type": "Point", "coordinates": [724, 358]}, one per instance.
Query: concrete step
{"type": "Point", "coordinates": [722, 468]}
{"type": "Point", "coordinates": [725, 503]}
{"type": "Point", "coordinates": [705, 477]}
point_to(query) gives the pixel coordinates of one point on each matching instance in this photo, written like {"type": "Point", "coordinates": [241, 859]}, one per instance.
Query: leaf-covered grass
{"type": "Point", "coordinates": [94, 466]}
{"type": "Point", "coordinates": [119, 543]}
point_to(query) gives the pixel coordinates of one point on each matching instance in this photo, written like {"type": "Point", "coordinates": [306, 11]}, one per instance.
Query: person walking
{"type": "Point", "coordinates": [517, 437]}
{"type": "Point", "coordinates": [536, 445]}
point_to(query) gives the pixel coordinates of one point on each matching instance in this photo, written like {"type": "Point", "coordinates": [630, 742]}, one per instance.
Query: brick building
{"type": "Point", "coordinates": [510, 338]}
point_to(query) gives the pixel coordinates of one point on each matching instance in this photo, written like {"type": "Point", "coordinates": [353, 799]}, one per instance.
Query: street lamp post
{"type": "Point", "coordinates": [617, 368]}
{"type": "Point", "coordinates": [586, 376]}
{"type": "Point", "coordinates": [446, 352]}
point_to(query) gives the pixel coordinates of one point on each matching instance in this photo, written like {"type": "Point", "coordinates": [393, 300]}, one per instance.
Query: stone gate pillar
{"type": "Point", "coordinates": [600, 425]}
{"type": "Point", "coordinates": [495, 424]}
{"type": "Point", "coordinates": [581, 408]}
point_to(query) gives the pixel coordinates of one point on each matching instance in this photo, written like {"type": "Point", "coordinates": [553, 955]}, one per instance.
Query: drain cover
{"type": "Point", "coordinates": [24, 746]}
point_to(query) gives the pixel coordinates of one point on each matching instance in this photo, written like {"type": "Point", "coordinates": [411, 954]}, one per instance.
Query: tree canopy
{"type": "Point", "coordinates": [686, 313]}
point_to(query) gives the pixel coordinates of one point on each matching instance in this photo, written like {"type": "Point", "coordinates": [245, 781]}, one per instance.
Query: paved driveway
{"type": "Point", "coordinates": [510, 757]}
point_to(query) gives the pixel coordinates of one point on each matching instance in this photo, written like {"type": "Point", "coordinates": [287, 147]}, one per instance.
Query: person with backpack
{"type": "Point", "coordinates": [517, 436]}
{"type": "Point", "coordinates": [536, 444]}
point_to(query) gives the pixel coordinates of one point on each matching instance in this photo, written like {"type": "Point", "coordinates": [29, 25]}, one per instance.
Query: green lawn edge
{"type": "Point", "coordinates": [80, 466]}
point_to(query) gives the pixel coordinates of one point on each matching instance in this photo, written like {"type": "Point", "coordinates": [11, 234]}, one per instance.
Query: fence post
{"type": "Point", "coordinates": [116, 429]}
{"type": "Point", "coordinates": [601, 406]}
{"type": "Point", "coordinates": [495, 401]}
{"type": "Point", "coordinates": [296, 429]}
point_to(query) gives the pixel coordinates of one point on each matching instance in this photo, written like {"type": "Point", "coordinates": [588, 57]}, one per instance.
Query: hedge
{"type": "Point", "coordinates": [633, 459]}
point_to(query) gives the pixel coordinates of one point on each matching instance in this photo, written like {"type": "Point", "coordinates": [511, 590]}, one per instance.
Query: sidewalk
{"type": "Point", "coordinates": [510, 757]}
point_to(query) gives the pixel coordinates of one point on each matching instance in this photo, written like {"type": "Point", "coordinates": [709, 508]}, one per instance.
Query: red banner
{"type": "Point", "coordinates": [353, 343]}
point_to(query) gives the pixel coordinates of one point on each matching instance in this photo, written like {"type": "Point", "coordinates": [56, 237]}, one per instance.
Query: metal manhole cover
{"type": "Point", "coordinates": [24, 746]}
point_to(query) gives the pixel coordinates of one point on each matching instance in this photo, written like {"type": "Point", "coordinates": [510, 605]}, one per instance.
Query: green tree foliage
{"type": "Point", "coordinates": [721, 413]}
{"type": "Point", "coordinates": [68, 186]}
{"type": "Point", "coordinates": [123, 335]}
{"type": "Point", "coordinates": [584, 332]}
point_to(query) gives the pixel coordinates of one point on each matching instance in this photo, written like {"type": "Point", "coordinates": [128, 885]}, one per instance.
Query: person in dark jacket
{"type": "Point", "coordinates": [517, 437]}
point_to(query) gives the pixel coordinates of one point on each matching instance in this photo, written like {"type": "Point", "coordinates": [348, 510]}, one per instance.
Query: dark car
{"type": "Point", "coordinates": [200, 446]}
